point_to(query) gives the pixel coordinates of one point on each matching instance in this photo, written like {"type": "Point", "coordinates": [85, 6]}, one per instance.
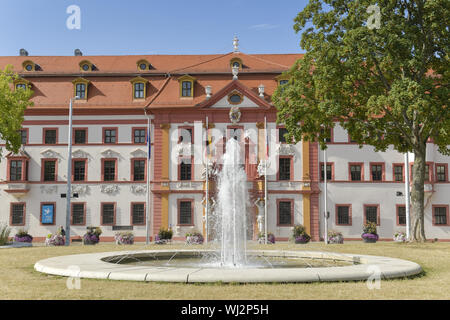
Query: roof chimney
{"type": "Point", "coordinates": [23, 53]}
{"type": "Point", "coordinates": [78, 53]}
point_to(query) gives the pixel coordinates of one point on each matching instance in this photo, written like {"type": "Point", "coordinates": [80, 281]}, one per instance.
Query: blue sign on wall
{"type": "Point", "coordinates": [47, 214]}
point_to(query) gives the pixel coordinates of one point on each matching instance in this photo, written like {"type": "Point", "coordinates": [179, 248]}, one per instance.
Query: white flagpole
{"type": "Point", "coordinates": [407, 196]}
{"type": "Point", "coordinates": [325, 194]}
{"type": "Point", "coordinates": [265, 184]}
{"type": "Point", "coordinates": [207, 183]}
{"type": "Point", "coordinates": [147, 204]}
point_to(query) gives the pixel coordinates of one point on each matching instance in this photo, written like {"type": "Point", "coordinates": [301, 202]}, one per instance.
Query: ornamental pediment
{"type": "Point", "coordinates": [138, 153]}
{"type": "Point", "coordinates": [49, 153]}
{"type": "Point", "coordinates": [109, 153]}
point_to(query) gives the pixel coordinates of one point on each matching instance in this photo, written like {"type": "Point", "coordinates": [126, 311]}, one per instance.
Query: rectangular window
{"type": "Point", "coordinates": [441, 173]}
{"type": "Point", "coordinates": [138, 170]}
{"type": "Point", "coordinates": [285, 213]}
{"type": "Point", "coordinates": [376, 171]}
{"type": "Point", "coordinates": [185, 169]}
{"type": "Point", "coordinates": [185, 213]}
{"type": "Point", "coordinates": [186, 88]}
{"type": "Point", "coordinates": [139, 136]}
{"type": "Point", "coordinates": [281, 133]}
{"type": "Point", "coordinates": [330, 134]}
{"type": "Point", "coordinates": [17, 214]}
{"type": "Point", "coordinates": [371, 214]}
{"type": "Point", "coordinates": [109, 170]}
{"type": "Point", "coordinates": [78, 216]}
{"type": "Point", "coordinates": [109, 136]}
{"type": "Point", "coordinates": [108, 213]}
{"type": "Point", "coordinates": [343, 215]}
{"type": "Point", "coordinates": [80, 90]}
{"type": "Point", "coordinates": [427, 173]}
{"type": "Point", "coordinates": [50, 136]}
{"type": "Point", "coordinates": [284, 168]}
{"type": "Point", "coordinates": [329, 172]}
{"type": "Point", "coordinates": [24, 136]}
{"type": "Point", "coordinates": [139, 90]}
{"type": "Point", "coordinates": [398, 172]}
{"type": "Point", "coordinates": [80, 136]}
{"type": "Point", "coordinates": [15, 170]}
{"type": "Point", "coordinates": [440, 215]}
{"type": "Point", "coordinates": [138, 214]}
{"type": "Point", "coordinates": [401, 215]}
{"type": "Point", "coordinates": [356, 172]}
{"type": "Point", "coordinates": [49, 170]}
{"type": "Point", "coordinates": [79, 170]}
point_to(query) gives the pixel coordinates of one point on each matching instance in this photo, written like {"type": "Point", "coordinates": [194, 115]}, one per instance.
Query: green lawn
{"type": "Point", "coordinates": [18, 280]}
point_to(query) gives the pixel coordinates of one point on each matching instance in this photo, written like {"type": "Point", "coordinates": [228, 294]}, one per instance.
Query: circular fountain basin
{"type": "Point", "coordinates": [108, 265]}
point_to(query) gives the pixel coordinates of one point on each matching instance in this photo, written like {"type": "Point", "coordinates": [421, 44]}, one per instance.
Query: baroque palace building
{"type": "Point", "coordinates": [193, 103]}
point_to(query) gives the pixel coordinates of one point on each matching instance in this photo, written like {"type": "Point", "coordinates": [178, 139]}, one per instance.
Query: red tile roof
{"type": "Point", "coordinates": [110, 85]}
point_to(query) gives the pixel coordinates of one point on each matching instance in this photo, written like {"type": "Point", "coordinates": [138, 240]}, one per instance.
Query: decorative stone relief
{"type": "Point", "coordinates": [286, 149]}
{"type": "Point", "coordinates": [109, 188]}
{"type": "Point", "coordinates": [184, 184]}
{"type": "Point", "coordinates": [211, 171]}
{"type": "Point", "coordinates": [138, 189]}
{"type": "Point", "coordinates": [81, 189]}
{"type": "Point", "coordinates": [49, 153]}
{"type": "Point", "coordinates": [49, 189]}
{"type": "Point", "coordinates": [262, 167]}
{"type": "Point", "coordinates": [138, 153]}
{"type": "Point", "coordinates": [109, 153]}
{"type": "Point", "coordinates": [80, 154]}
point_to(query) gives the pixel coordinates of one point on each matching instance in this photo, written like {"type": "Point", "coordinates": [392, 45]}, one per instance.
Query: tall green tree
{"type": "Point", "coordinates": [13, 103]}
{"type": "Point", "coordinates": [381, 70]}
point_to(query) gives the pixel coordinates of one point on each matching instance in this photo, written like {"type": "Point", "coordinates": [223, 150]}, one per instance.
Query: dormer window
{"type": "Point", "coordinates": [81, 88]}
{"type": "Point", "coordinates": [29, 66]}
{"type": "Point", "coordinates": [186, 86]}
{"type": "Point", "coordinates": [143, 65]}
{"type": "Point", "coordinates": [139, 88]}
{"type": "Point", "coordinates": [86, 66]}
{"type": "Point", "coordinates": [21, 84]}
{"type": "Point", "coordinates": [236, 62]}
{"type": "Point", "coordinates": [282, 79]}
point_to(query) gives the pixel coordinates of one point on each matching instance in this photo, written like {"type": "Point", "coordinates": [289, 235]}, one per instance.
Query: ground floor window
{"type": "Point", "coordinates": [440, 215]}
{"type": "Point", "coordinates": [78, 216]}
{"type": "Point", "coordinates": [401, 215]}
{"type": "Point", "coordinates": [137, 213]}
{"type": "Point", "coordinates": [17, 214]}
{"type": "Point", "coordinates": [371, 214]}
{"type": "Point", "coordinates": [343, 215]}
{"type": "Point", "coordinates": [185, 212]}
{"type": "Point", "coordinates": [108, 213]}
{"type": "Point", "coordinates": [285, 212]}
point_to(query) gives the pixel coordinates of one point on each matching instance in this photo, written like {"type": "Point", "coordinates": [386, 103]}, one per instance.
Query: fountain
{"type": "Point", "coordinates": [231, 210]}
{"type": "Point", "coordinates": [230, 261]}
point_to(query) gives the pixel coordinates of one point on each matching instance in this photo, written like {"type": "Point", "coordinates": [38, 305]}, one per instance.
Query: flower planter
{"type": "Point", "coordinates": [369, 237]}
{"type": "Point", "coordinates": [336, 239]}
{"type": "Point", "coordinates": [90, 239]}
{"type": "Point", "coordinates": [194, 239]}
{"type": "Point", "coordinates": [124, 238]}
{"type": "Point", "coordinates": [55, 240]}
{"type": "Point", "coordinates": [270, 239]}
{"type": "Point", "coordinates": [301, 240]}
{"type": "Point", "coordinates": [24, 239]}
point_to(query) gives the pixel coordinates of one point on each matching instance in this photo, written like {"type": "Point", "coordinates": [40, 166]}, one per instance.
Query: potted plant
{"type": "Point", "coordinates": [56, 239]}
{"type": "Point", "coordinates": [124, 237]}
{"type": "Point", "coordinates": [262, 238]}
{"type": "Point", "coordinates": [400, 236]}
{"type": "Point", "coordinates": [335, 237]}
{"type": "Point", "coordinates": [92, 236]}
{"type": "Point", "coordinates": [164, 236]}
{"type": "Point", "coordinates": [370, 233]}
{"type": "Point", "coordinates": [299, 234]}
{"type": "Point", "coordinates": [194, 238]}
{"type": "Point", "coordinates": [23, 237]}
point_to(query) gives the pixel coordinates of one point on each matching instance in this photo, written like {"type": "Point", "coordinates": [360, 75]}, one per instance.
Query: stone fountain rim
{"type": "Point", "coordinates": [93, 266]}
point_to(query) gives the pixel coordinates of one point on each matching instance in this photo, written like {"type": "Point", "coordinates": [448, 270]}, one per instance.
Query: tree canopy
{"type": "Point", "coordinates": [386, 83]}
{"type": "Point", "coordinates": [13, 103]}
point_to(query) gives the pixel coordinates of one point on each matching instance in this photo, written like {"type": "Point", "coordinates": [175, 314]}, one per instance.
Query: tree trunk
{"type": "Point", "coordinates": [418, 195]}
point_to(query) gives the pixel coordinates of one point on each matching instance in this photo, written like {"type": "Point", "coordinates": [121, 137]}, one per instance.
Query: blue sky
{"type": "Point", "coordinates": [113, 27]}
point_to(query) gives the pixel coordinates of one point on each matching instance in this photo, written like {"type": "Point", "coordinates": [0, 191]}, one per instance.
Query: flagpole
{"type": "Point", "coordinates": [207, 182]}
{"type": "Point", "coordinates": [325, 237]}
{"type": "Point", "coordinates": [265, 182]}
{"type": "Point", "coordinates": [147, 206]}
